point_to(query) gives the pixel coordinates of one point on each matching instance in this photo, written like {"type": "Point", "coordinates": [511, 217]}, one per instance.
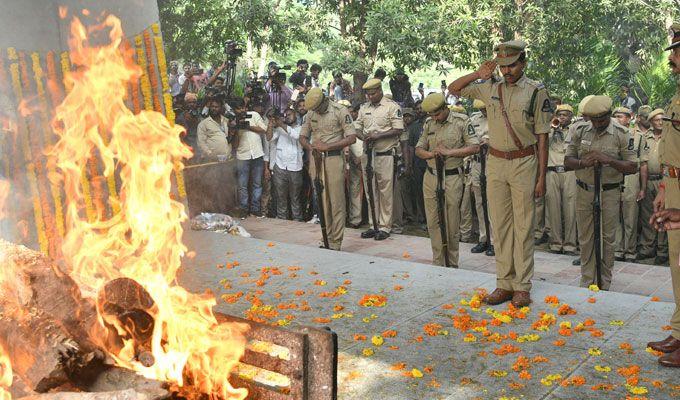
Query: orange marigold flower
{"type": "Point", "coordinates": [448, 306]}
{"type": "Point", "coordinates": [551, 300]}
{"type": "Point", "coordinates": [592, 300]}
{"type": "Point", "coordinates": [321, 320]}
{"type": "Point", "coordinates": [347, 282]}
{"type": "Point", "coordinates": [559, 343]}
{"type": "Point", "coordinates": [398, 366]}
{"type": "Point", "coordinates": [389, 333]}
{"type": "Point", "coordinates": [506, 349]}
{"type": "Point", "coordinates": [564, 332]}
{"type": "Point", "coordinates": [358, 337]}
{"type": "Point", "coordinates": [596, 333]}
{"type": "Point", "coordinates": [393, 347]}
{"type": "Point", "coordinates": [406, 255]}
{"type": "Point", "coordinates": [525, 375]}
{"type": "Point", "coordinates": [373, 300]}
{"type": "Point", "coordinates": [419, 339]}
{"type": "Point", "coordinates": [299, 292]}
{"type": "Point", "coordinates": [565, 309]}
{"type": "Point", "coordinates": [625, 346]}
{"type": "Point", "coordinates": [513, 335]}
{"type": "Point", "coordinates": [398, 288]}
{"type": "Point", "coordinates": [540, 359]}
{"type": "Point", "coordinates": [270, 244]}
{"type": "Point", "coordinates": [632, 381]}
{"type": "Point", "coordinates": [657, 384]}
{"type": "Point", "coordinates": [432, 329]}
{"type": "Point", "coordinates": [631, 370]}
{"type": "Point", "coordinates": [589, 322]}
{"type": "Point", "coordinates": [666, 328]}
{"type": "Point", "coordinates": [516, 385]}
{"type": "Point", "coordinates": [521, 364]}
{"type": "Point", "coordinates": [655, 298]}
{"type": "Point", "coordinates": [602, 386]}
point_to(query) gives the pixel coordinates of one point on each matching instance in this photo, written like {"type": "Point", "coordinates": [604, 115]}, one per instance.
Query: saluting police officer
{"type": "Point", "coordinates": [669, 198]}
{"type": "Point", "coordinates": [380, 124]}
{"type": "Point", "coordinates": [328, 129]}
{"type": "Point", "coordinates": [652, 243]}
{"type": "Point", "coordinates": [560, 197]}
{"type": "Point", "coordinates": [446, 134]}
{"type": "Point", "coordinates": [519, 111]}
{"type": "Point", "coordinates": [600, 142]}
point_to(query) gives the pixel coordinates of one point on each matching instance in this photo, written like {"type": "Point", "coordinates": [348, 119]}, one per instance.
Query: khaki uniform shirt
{"type": "Point", "coordinates": [382, 117]}
{"type": "Point", "coordinates": [557, 146]}
{"type": "Point", "coordinates": [669, 147]}
{"type": "Point", "coordinates": [454, 133]}
{"type": "Point", "coordinates": [212, 137]}
{"type": "Point", "coordinates": [650, 153]}
{"type": "Point", "coordinates": [329, 127]}
{"type": "Point", "coordinates": [527, 117]}
{"type": "Point", "coordinates": [612, 142]}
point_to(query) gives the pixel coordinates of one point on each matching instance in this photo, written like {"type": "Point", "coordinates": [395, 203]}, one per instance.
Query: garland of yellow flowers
{"type": "Point", "coordinates": [84, 182]}
{"type": "Point", "coordinates": [152, 73]}
{"type": "Point", "coordinates": [30, 167]}
{"type": "Point", "coordinates": [33, 139]}
{"type": "Point", "coordinates": [167, 99]}
{"type": "Point", "coordinates": [146, 84]}
{"type": "Point", "coordinates": [56, 191]}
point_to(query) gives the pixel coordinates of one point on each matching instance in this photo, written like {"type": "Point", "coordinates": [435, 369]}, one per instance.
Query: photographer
{"type": "Point", "coordinates": [283, 134]}
{"type": "Point", "coordinates": [189, 118]}
{"type": "Point", "coordinates": [249, 157]}
{"type": "Point", "coordinates": [279, 93]}
{"type": "Point", "coordinates": [213, 132]}
{"type": "Point", "coordinates": [298, 78]}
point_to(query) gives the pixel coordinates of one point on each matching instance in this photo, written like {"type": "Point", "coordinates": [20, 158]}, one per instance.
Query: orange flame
{"type": "Point", "coordinates": [5, 375]}
{"type": "Point", "coordinates": [143, 241]}
{"type": "Point", "coordinates": [4, 194]}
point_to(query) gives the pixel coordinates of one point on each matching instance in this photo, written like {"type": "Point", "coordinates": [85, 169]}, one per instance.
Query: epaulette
{"type": "Point", "coordinates": [462, 116]}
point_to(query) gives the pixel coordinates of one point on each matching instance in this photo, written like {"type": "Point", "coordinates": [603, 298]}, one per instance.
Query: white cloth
{"type": "Point", "coordinates": [288, 148]}
{"type": "Point", "coordinates": [250, 143]}
{"type": "Point", "coordinates": [175, 86]}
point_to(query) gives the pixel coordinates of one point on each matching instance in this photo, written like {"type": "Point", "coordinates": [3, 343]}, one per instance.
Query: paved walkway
{"type": "Point", "coordinates": [633, 278]}
{"type": "Point", "coordinates": [423, 339]}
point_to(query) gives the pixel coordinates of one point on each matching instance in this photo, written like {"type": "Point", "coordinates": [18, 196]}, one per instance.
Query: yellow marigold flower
{"type": "Point", "coordinates": [415, 372]}
{"type": "Point", "coordinates": [525, 310]}
{"type": "Point", "coordinates": [469, 338]}
{"type": "Point", "coordinates": [594, 288]}
{"type": "Point", "coordinates": [565, 324]}
{"type": "Point", "coordinates": [377, 340]}
{"type": "Point", "coordinates": [616, 322]}
{"type": "Point", "coordinates": [594, 351]}
{"type": "Point", "coordinates": [506, 319]}
{"type": "Point", "coordinates": [532, 337]}
{"type": "Point", "coordinates": [368, 352]}
{"type": "Point", "coordinates": [600, 368]}
{"type": "Point", "coordinates": [637, 389]}
{"type": "Point", "coordinates": [498, 373]}
{"type": "Point", "coordinates": [282, 322]}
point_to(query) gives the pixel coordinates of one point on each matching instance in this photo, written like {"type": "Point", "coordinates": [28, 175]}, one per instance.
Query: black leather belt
{"type": "Point", "coordinates": [385, 153]}
{"type": "Point", "coordinates": [655, 177]}
{"type": "Point", "coordinates": [448, 172]}
{"type": "Point", "coordinates": [331, 153]}
{"type": "Point", "coordinates": [591, 188]}
{"type": "Point", "coordinates": [559, 169]}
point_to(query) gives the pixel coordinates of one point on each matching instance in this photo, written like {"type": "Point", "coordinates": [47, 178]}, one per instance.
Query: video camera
{"type": "Point", "coordinates": [232, 50]}
{"type": "Point", "coordinates": [241, 120]}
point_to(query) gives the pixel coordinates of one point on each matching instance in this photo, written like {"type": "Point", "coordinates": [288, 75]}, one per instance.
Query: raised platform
{"type": "Point", "coordinates": [305, 287]}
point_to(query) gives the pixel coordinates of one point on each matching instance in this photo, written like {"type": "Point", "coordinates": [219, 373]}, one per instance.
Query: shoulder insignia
{"type": "Point", "coordinates": [539, 85]}
{"type": "Point", "coordinates": [348, 119]}
{"type": "Point", "coordinates": [631, 144]}
{"type": "Point", "coordinates": [471, 130]}
{"type": "Point", "coordinates": [547, 106]}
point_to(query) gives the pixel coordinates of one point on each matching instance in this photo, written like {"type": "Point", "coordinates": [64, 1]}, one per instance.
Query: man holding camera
{"type": "Point", "coordinates": [279, 94]}
{"type": "Point", "coordinates": [189, 118]}
{"type": "Point", "coordinates": [249, 158]}
{"type": "Point", "coordinates": [327, 130]}
{"type": "Point", "coordinates": [283, 134]}
{"type": "Point", "coordinates": [299, 77]}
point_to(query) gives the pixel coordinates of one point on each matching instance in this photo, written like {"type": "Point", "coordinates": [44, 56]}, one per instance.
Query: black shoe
{"type": "Point", "coordinates": [555, 251]}
{"type": "Point", "coordinates": [490, 251]}
{"type": "Point", "coordinates": [576, 262]}
{"type": "Point", "coordinates": [541, 240]}
{"type": "Point", "coordinates": [368, 234]}
{"type": "Point", "coordinates": [381, 235]}
{"type": "Point", "coordinates": [619, 258]}
{"type": "Point", "coordinates": [570, 253]}
{"type": "Point", "coordinates": [660, 260]}
{"type": "Point", "coordinates": [479, 248]}
{"type": "Point", "coordinates": [642, 256]}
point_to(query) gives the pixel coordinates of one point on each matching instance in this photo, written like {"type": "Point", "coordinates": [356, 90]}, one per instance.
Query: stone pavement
{"type": "Point", "coordinates": [646, 280]}
{"type": "Point", "coordinates": [462, 352]}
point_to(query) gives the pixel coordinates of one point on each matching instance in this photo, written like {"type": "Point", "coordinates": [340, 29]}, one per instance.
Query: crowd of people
{"type": "Point", "coordinates": [521, 170]}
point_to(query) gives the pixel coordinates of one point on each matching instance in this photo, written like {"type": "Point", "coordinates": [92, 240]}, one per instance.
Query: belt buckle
{"type": "Point", "coordinates": [560, 169]}
{"type": "Point", "coordinates": [507, 155]}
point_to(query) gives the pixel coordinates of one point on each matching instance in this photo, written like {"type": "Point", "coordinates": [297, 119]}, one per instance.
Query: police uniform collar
{"type": "Point", "coordinates": [520, 82]}
{"type": "Point", "coordinates": [610, 129]}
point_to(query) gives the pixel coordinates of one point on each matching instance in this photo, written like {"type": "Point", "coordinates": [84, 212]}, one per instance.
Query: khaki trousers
{"type": "Point", "coordinates": [477, 192]}
{"type": "Point", "coordinates": [673, 201]}
{"type": "Point", "coordinates": [626, 231]}
{"type": "Point", "coordinates": [586, 234]}
{"type": "Point", "coordinates": [355, 192]}
{"type": "Point", "coordinates": [651, 241]}
{"type": "Point", "coordinates": [466, 226]}
{"type": "Point", "coordinates": [540, 226]}
{"type": "Point", "coordinates": [333, 180]}
{"type": "Point", "coordinates": [383, 189]}
{"type": "Point", "coordinates": [453, 188]}
{"type": "Point", "coordinates": [560, 200]}
{"type": "Point", "coordinates": [510, 190]}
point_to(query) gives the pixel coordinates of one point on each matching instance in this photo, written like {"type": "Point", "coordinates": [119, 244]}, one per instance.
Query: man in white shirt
{"type": "Point", "coordinates": [286, 156]}
{"type": "Point", "coordinates": [250, 160]}
{"type": "Point", "coordinates": [212, 133]}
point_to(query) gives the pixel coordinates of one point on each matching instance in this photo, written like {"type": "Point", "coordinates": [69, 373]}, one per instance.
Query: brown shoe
{"type": "Point", "coordinates": [670, 359]}
{"type": "Point", "coordinates": [498, 296]}
{"type": "Point", "coordinates": [521, 298]}
{"type": "Point", "coordinates": [668, 345]}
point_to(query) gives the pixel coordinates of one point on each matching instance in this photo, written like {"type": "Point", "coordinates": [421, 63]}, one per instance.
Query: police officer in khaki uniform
{"type": "Point", "coordinates": [601, 142]}
{"type": "Point", "coordinates": [353, 168]}
{"type": "Point", "coordinates": [652, 243]}
{"type": "Point", "coordinates": [626, 230]}
{"type": "Point", "coordinates": [380, 124]}
{"type": "Point", "coordinates": [560, 196]}
{"type": "Point", "coordinates": [479, 122]}
{"type": "Point", "coordinates": [328, 129]}
{"type": "Point", "coordinates": [669, 198]}
{"type": "Point", "coordinates": [446, 134]}
{"type": "Point", "coordinates": [519, 112]}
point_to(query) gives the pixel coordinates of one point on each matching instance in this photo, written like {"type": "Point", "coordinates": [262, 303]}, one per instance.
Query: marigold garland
{"type": "Point", "coordinates": [84, 182]}
{"type": "Point", "coordinates": [151, 68]}
{"type": "Point", "coordinates": [144, 79]}
{"type": "Point", "coordinates": [51, 170]}
{"type": "Point", "coordinates": [30, 167]}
